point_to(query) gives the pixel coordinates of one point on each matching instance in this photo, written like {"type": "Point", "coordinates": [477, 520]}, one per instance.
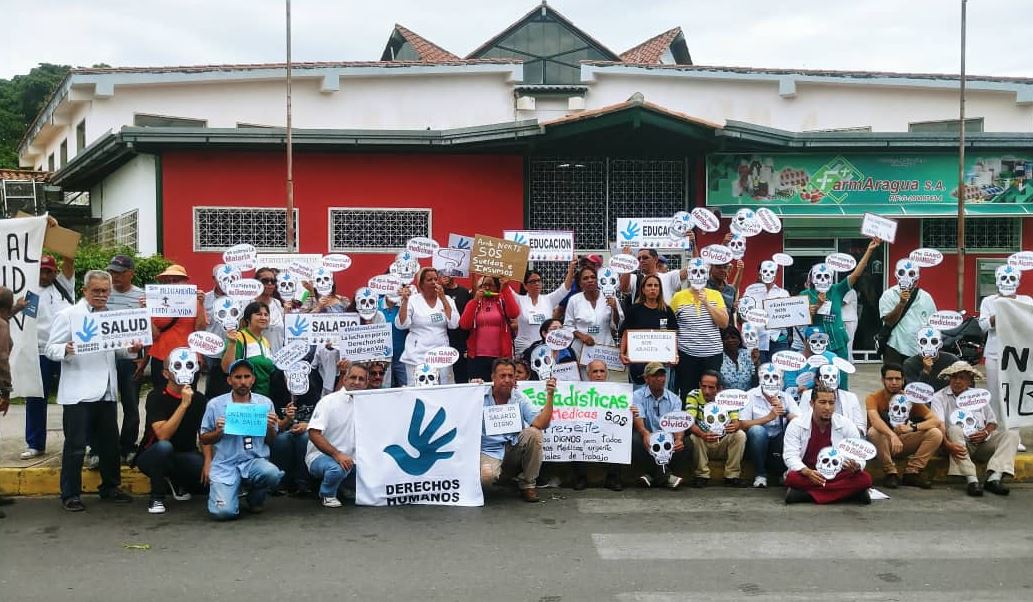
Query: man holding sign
{"type": "Point", "coordinates": [237, 440]}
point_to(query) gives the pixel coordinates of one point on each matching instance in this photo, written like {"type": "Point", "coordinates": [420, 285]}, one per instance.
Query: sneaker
{"type": "Point", "coordinates": [73, 504]}
{"type": "Point", "coordinates": [156, 507]}
{"type": "Point", "coordinates": [673, 482]}
{"type": "Point", "coordinates": [552, 483]}
{"type": "Point", "coordinates": [30, 453]}
{"type": "Point", "coordinates": [117, 496]}
{"type": "Point", "coordinates": [178, 492]}
{"type": "Point", "coordinates": [916, 480]}
{"type": "Point", "coordinates": [645, 481]}
{"type": "Point", "coordinates": [1021, 447]}
{"type": "Point", "coordinates": [331, 502]}
{"type": "Point", "coordinates": [760, 482]}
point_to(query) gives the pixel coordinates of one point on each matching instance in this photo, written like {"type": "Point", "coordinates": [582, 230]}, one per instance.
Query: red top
{"type": "Point", "coordinates": [488, 323]}
{"type": "Point", "coordinates": [818, 442]}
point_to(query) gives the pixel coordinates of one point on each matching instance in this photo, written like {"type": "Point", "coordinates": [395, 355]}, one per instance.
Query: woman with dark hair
{"type": "Point", "coordinates": [593, 318]}
{"type": "Point", "coordinates": [487, 318]}
{"type": "Point", "coordinates": [738, 364]}
{"type": "Point", "coordinates": [271, 296]}
{"type": "Point", "coordinates": [331, 303]}
{"type": "Point", "coordinates": [249, 342]}
{"type": "Point", "coordinates": [563, 355]}
{"type": "Point", "coordinates": [427, 315]}
{"type": "Point", "coordinates": [535, 307]}
{"type": "Point", "coordinates": [649, 312]}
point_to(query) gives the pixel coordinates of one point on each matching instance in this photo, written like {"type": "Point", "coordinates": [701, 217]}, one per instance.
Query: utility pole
{"type": "Point", "coordinates": [290, 147]}
{"type": "Point", "coordinates": [961, 170]}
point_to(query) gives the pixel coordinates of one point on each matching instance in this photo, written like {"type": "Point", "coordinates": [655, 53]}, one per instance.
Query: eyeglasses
{"type": "Point", "coordinates": [268, 280]}
{"type": "Point", "coordinates": [376, 373]}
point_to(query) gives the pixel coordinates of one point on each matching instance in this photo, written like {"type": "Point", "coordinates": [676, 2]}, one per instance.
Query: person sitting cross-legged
{"type": "Point", "coordinates": [232, 459]}
{"type": "Point", "coordinates": [706, 443]}
{"type": "Point", "coordinates": [764, 418]}
{"type": "Point", "coordinates": [331, 444]}
{"type": "Point", "coordinates": [806, 438]}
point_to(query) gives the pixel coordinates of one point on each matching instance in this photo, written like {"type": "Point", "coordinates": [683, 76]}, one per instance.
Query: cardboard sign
{"type": "Point", "coordinates": [502, 419]}
{"type": "Point", "coordinates": [609, 354]}
{"type": "Point", "coordinates": [876, 226]}
{"type": "Point", "coordinates": [316, 329]}
{"type": "Point", "coordinates": [926, 258]}
{"type": "Point", "coordinates": [207, 343]}
{"type": "Point", "coordinates": [366, 342]}
{"type": "Point", "coordinates": [676, 422]}
{"type": "Point", "coordinates": [646, 346]}
{"type": "Point", "coordinates": [546, 245]}
{"type": "Point", "coordinates": [171, 300]}
{"type": "Point", "coordinates": [111, 330]}
{"type": "Point", "coordinates": [787, 312]}
{"type": "Point", "coordinates": [441, 357]}
{"type": "Point", "coordinates": [246, 419]}
{"type": "Point", "coordinates": [58, 239]}
{"type": "Point", "coordinates": [497, 257]}
{"type": "Point", "coordinates": [452, 262]}
{"type": "Point", "coordinates": [421, 246]}
{"type": "Point", "coordinates": [582, 433]}
{"type": "Point", "coordinates": [649, 233]}
{"type": "Point", "coordinates": [566, 371]}
{"type": "Point", "coordinates": [240, 256]}
{"type": "Point", "coordinates": [280, 261]}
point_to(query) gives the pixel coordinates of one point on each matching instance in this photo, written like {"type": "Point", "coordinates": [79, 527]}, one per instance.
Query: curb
{"type": "Point", "coordinates": [46, 481]}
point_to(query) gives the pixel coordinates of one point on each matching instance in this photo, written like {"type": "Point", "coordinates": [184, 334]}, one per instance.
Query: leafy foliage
{"type": "Point", "coordinates": [21, 98]}
{"type": "Point", "coordinates": [95, 257]}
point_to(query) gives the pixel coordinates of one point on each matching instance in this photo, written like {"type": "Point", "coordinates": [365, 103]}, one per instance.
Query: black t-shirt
{"type": "Point", "coordinates": [640, 317]}
{"type": "Point", "coordinates": [161, 406]}
{"type": "Point", "coordinates": [457, 336]}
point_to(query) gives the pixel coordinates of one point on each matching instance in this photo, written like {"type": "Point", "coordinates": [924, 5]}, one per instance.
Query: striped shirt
{"type": "Point", "coordinates": [698, 335]}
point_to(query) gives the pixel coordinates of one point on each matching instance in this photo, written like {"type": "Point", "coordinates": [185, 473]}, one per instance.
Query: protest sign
{"type": "Point", "coordinates": [649, 232]}
{"type": "Point", "coordinates": [782, 259]}
{"type": "Point", "coordinates": [244, 291]}
{"type": "Point", "coordinates": [1023, 260]}
{"type": "Point", "coordinates": [366, 342]}
{"type": "Point", "coordinates": [876, 226]}
{"type": "Point", "coordinates": [566, 371]}
{"type": "Point", "coordinates": [609, 354]}
{"type": "Point", "coordinates": [452, 262]}
{"type": "Point", "coordinates": [841, 262]}
{"type": "Point", "coordinates": [303, 269]}
{"type": "Point", "coordinates": [559, 339]}
{"type": "Point", "coordinates": [207, 343]}
{"type": "Point", "coordinates": [441, 357]}
{"type": "Point", "coordinates": [385, 284]}
{"type": "Point", "coordinates": [716, 254]}
{"type": "Point", "coordinates": [705, 219]}
{"type": "Point", "coordinates": [421, 246]}
{"type": "Point", "coordinates": [171, 300]}
{"type": "Point", "coordinates": [622, 263]}
{"type": "Point", "coordinates": [945, 319]}
{"type": "Point", "coordinates": [57, 239]}
{"type": "Point", "coordinates": [419, 445]}
{"type": "Point", "coordinates": [246, 419]}
{"type": "Point", "coordinates": [756, 316]}
{"type": "Point", "coordinates": [652, 346]}
{"type": "Point", "coordinates": [336, 262]}
{"type": "Point", "coordinates": [926, 258]}
{"type": "Point", "coordinates": [280, 261]}
{"type": "Point", "coordinates": [732, 399]}
{"type": "Point", "coordinates": [787, 311]}
{"type": "Point", "coordinates": [769, 221]}
{"type": "Point", "coordinates": [288, 355]}
{"type": "Point", "coordinates": [110, 330]}
{"type": "Point", "coordinates": [817, 361]}
{"type": "Point", "coordinates": [919, 392]}
{"type": "Point", "coordinates": [460, 241]}
{"type": "Point", "coordinates": [497, 257]}
{"type": "Point", "coordinates": [240, 256]}
{"type": "Point", "coordinates": [19, 272]}
{"type": "Point", "coordinates": [591, 421]}
{"type": "Point", "coordinates": [676, 422]}
{"type": "Point", "coordinates": [788, 361]}
{"type": "Point", "coordinates": [316, 329]}
{"type": "Point", "coordinates": [973, 399]}
{"type": "Point", "coordinates": [502, 419]}
{"type": "Point", "coordinates": [857, 448]}
{"type": "Point", "coordinates": [1015, 329]}
{"type": "Point", "coordinates": [546, 245]}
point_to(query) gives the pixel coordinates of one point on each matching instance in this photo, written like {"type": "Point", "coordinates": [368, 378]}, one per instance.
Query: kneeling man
{"type": "Point", "coordinates": [331, 444]}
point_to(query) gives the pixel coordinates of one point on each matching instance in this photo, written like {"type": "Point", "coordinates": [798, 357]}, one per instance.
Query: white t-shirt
{"type": "Point", "coordinates": [988, 309]}
{"type": "Point", "coordinates": [533, 314]}
{"type": "Point", "coordinates": [334, 416]}
{"type": "Point", "coordinates": [595, 321]}
{"type": "Point", "coordinates": [849, 308]}
{"type": "Point", "coordinates": [670, 283]}
{"type": "Point", "coordinates": [427, 325]}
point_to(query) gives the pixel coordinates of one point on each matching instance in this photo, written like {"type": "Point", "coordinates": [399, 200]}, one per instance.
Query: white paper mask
{"type": "Point", "coordinates": [968, 422]}
{"type": "Point", "coordinates": [227, 312]}
{"type": "Point", "coordinates": [608, 282]}
{"type": "Point", "coordinates": [698, 273]}
{"type": "Point", "coordinates": [226, 275]}
{"type": "Point", "coordinates": [297, 378]}
{"type": "Point", "coordinates": [681, 224]}
{"type": "Point", "coordinates": [821, 277]}
{"type": "Point", "coordinates": [770, 379]}
{"type": "Point", "coordinates": [818, 342]}
{"type": "Point", "coordinates": [899, 410]}
{"type": "Point", "coordinates": [829, 376]}
{"type": "Point", "coordinates": [738, 245]}
{"type": "Point", "coordinates": [829, 463]}
{"type": "Point", "coordinates": [661, 447]}
{"type": "Point", "coordinates": [542, 362]}
{"type": "Point", "coordinates": [930, 341]}
{"type": "Point", "coordinates": [405, 266]}
{"type": "Point", "coordinates": [907, 274]}
{"type": "Point", "coordinates": [323, 280]}
{"type": "Point", "coordinates": [426, 375]}
{"type": "Point", "coordinates": [768, 271]}
{"type": "Point", "coordinates": [183, 365]}
{"type": "Point", "coordinates": [366, 303]}
{"type": "Point", "coordinates": [286, 285]}
{"type": "Point", "coordinates": [1008, 278]}
{"type": "Point", "coordinates": [750, 335]}
{"type": "Point", "coordinates": [744, 220]}
{"type": "Point", "coordinates": [714, 419]}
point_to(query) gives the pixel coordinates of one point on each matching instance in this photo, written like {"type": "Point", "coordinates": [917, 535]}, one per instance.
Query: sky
{"type": "Point", "coordinates": [867, 35]}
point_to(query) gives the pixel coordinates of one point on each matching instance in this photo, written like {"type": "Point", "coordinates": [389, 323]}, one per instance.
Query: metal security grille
{"type": "Point", "coordinates": [218, 228]}
{"type": "Point", "coordinates": [20, 195]}
{"type": "Point", "coordinates": [369, 230]}
{"type": "Point", "coordinates": [645, 188]}
{"type": "Point", "coordinates": [119, 231]}
{"type": "Point", "coordinates": [981, 234]}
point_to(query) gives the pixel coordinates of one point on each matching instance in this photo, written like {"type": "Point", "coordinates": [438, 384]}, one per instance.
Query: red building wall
{"type": "Point", "coordinates": [468, 194]}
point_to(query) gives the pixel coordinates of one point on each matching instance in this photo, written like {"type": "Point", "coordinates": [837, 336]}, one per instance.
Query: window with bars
{"type": "Point", "coordinates": [218, 228]}
{"type": "Point", "coordinates": [375, 230]}
{"type": "Point", "coordinates": [119, 231]}
{"type": "Point", "coordinates": [981, 234]}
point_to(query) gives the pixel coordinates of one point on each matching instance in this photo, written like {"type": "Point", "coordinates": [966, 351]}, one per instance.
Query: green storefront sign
{"type": "Point", "coordinates": [851, 184]}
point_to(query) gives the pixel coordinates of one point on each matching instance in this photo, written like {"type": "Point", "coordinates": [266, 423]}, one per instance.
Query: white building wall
{"type": "Point", "coordinates": [132, 186]}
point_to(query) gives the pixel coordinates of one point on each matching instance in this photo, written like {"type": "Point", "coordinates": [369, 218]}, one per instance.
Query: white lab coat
{"type": "Point", "coordinates": [798, 435]}
{"type": "Point", "coordinates": [84, 378]}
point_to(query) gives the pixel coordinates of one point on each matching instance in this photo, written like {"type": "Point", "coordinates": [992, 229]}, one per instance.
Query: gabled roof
{"type": "Point", "coordinates": [541, 10]}
{"type": "Point", "coordinates": [650, 51]}
{"type": "Point", "coordinates": [428, 51]}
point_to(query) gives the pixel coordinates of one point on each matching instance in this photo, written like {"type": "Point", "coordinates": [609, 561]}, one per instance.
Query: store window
{"type": "Point", "coordinates": [984, 234]}
{"type": "Point", "coordinates": [986, 279]}
{"type": "Point", "coordinates": [374, 230]}
{"type": "Point", "coordinates": [218, 228]}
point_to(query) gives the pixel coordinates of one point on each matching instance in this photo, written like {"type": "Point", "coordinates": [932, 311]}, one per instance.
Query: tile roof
{"type": "Point", "coordinates": [429, 51]}
{"type": "Point", "coordinates": [650, 51]}
{"type": "Point", "coordinates": [25, 175]}
{"type": "Point", "coordinates": [635, 101]}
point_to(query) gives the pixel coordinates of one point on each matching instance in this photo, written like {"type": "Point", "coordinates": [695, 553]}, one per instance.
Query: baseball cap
{"type": "Point", "coordinates": [47, 263]}
{"type": "Point", "coordinates": [239, 363]}
{"type": "Point", "coordinates": [654, 368]}
{"type": "Point", "coordinates": [121, 263]}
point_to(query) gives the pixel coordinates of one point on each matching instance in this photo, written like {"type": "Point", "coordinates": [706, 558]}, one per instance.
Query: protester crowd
{"type": "Point", "coordinates": [788, 428]}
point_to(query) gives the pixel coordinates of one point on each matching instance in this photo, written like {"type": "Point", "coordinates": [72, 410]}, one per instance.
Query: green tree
{"type": "Point", "coordinates": [21, 99]}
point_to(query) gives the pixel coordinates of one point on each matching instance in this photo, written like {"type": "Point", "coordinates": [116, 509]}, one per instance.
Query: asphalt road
{"type": "Point", "coordinates": [654, 545]}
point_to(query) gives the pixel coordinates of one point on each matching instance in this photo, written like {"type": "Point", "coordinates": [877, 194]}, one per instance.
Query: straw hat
{"type": "Point", "coordinates": [960, 366]}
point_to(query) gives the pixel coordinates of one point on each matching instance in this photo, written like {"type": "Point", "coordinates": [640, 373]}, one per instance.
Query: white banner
{"type": "Point", "coordinates": [366, 342]}
{"type": "Point", "coordinates": [652, 346]}
{"type": "Point", "coordinates": [111, 330]}
{"type": "Point", "coordinates": [648, 232]}
{"type": "Point", "coordinates": [1015, 328]}
{"type": "Point", "coordinates": [591, 421]}
{"type": "Point", "coordinates": [316, 329]}
{"type": "Point", "coordinates": [419, 446]}
{"type": "Point", "coordinates": [172, 300]}
{"type": "Point", "coordinates": [546, 245]}
{"type": "Point", "coordinates": [280, 261]}
{"type": "Point", "coordinates": [19, 271]}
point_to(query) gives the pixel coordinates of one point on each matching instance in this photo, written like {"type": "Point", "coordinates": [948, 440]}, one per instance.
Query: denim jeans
{"type": "Point", "coordinates": [326, 468]}
{"type": "Point", "coordinates": [36, 407]}
{"type": "Point", "coordinates": [98, 422]}
{"type": "Point", "coordinates": [399, 374]}
{"type": "Point", "coordinates": [129, 395]}
{"type": "Point", "coordinates": [758, 444]}
{"type": "Point", "coordinates": [161, 461]}
{"type": "Point", "coordinates": [288, 454]}
{"type": "Point", "coordinates": [262, 475]}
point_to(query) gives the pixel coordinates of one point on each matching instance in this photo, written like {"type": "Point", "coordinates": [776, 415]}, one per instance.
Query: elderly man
{"type": "Point", "coordinates": [767, 411]}
{"type": "Point", "coordinates": [88, 393]}
{"type": "Point", "coordinates": [729, 445]}
{"type": "Point", "coordinates": [806, 437]}
{"type": "Point", "coordinates": [523, 448]}
{"type": "Point", "coordinates": [331, 444]}
{"type": "Point", "coordinates": [918, 436]}
{"type": "Point", "coordinates": [232, 459]}
{"type": "Point", "coordinates": [973, 435]}
{"type": "Point", "coordinates": [597, 372]}
{"type": "Point", "coordinates": [651, 403]}
{"type": "Point", "coordinates": [126, 295]}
